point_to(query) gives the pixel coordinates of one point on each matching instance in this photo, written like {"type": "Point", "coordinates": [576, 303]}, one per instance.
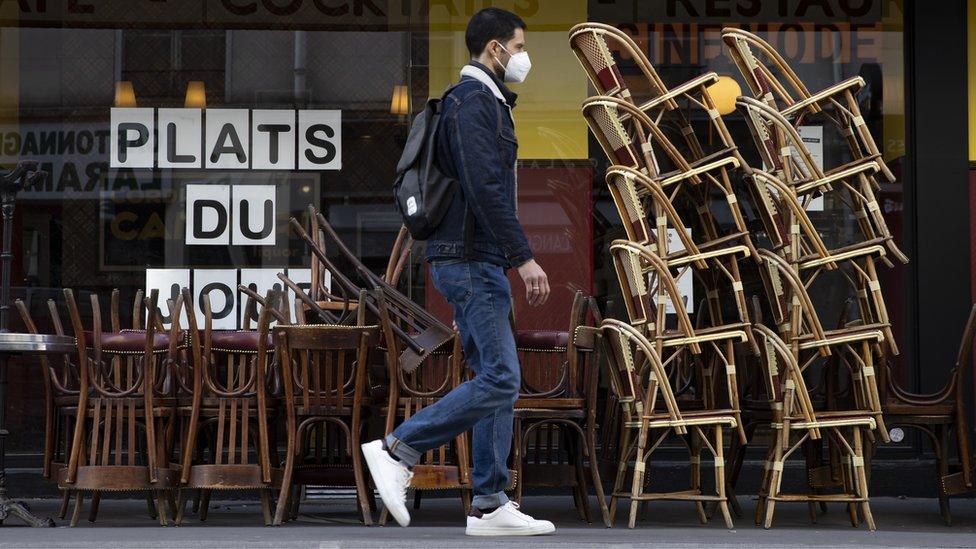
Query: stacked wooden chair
{"type": "Point", "coordinates": [941, 417]}
{"type": "Point", "coordinates": [422, 356]}
{"type": "Point", "coordinates": [229, 441]}
{"type": "Point", "coordinates": [120, 439]}
{"type": "Point", "coordinates": [555, 414]}
{"type": "Point", "coordinates": [324, 369]}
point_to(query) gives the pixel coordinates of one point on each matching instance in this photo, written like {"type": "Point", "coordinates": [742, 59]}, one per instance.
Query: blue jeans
{"type": "Point", "coordinates": [481, 297]}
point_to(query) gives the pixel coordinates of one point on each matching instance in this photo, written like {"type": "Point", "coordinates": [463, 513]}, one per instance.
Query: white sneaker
{"type": "Point", "coordinates": [507, 520]}
{"type": "Point", "coordinates": [391, 478]}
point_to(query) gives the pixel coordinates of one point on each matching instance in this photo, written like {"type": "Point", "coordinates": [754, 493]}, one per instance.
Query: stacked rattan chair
{"type": "Point", "coordinates": [787, 182]}
{"type": "Point", "coordinates": [672, 374]}
{"type": "Point", "coordinates": [671, 186]}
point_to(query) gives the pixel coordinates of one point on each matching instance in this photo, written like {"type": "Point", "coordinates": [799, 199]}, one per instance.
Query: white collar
{"type": "Point", "coordinates": [481, 76]}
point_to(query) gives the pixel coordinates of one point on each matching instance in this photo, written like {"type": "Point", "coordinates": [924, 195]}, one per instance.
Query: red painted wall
{"type": "Point", "coordinates": [556, 211]}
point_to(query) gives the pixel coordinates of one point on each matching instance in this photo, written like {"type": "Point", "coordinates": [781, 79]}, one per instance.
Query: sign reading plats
{"type": "Point", "coordinates": [249, 139]}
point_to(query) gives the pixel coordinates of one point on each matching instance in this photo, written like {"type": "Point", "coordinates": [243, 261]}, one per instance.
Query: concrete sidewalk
{"type": "Point", "coordinates": [439, 524]}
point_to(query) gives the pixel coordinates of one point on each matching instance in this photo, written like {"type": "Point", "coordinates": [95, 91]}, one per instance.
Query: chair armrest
{"type": "Point", "coordinates": [705, 79]}
{"type": "Point", "coordinates": [856, 83]}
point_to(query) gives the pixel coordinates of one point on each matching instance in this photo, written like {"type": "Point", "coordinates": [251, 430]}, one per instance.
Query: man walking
{"type": "Point", "coordinates": [477, 240]}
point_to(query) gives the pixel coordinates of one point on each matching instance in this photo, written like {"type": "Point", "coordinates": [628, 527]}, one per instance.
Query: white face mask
{"type": "Point", "coordinates": [518, 66]}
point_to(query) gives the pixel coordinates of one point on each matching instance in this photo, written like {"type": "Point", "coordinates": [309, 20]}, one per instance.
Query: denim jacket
{"type": "Point", "coordinates": [476, 145]}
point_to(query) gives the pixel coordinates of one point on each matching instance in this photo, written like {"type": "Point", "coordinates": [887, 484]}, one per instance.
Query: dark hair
{"type": "Point", "coordinates": [490, 24]}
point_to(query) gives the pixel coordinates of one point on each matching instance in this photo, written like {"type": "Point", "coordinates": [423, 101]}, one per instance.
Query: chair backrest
{"type": "Point", "coordinates": [645, 296]}
{"type": "Point", "coordinates": [324, 366]}
{"type": "Point", "coordinates": [792, 308]}
{"type": "Point", "coordinates": [632, 191]}
{"type": "Point", "coordinates": [760, 72]}
{"type": "Point", "coordinates": [779, 144]}
{"type": "Point", "coordinates": [113, 425]}
{"type": "Point", "coordinates": [231, 373]}
{"type": "Point", "coordinates": [783, 375]}
{"type": "Point", "coordinates": [631, 138]}
{"type": "Point", "coordinates": [622, 143]}
{"type": "Point", "coordinates": [782, 207]}
{"type": "Point", "coordinates": [418, 333]}
{"type": "Point", "coordinates": [552, 363]}
{"type": "Point", "coordinates": [636, 372]}
{"type": "Point", "coordinates": [399, 257]}
{"type": "Point", "coordinates": [593, 44]}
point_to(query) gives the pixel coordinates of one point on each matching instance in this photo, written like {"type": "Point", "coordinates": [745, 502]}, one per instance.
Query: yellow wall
{"type": "Point", "coordinates": [547, 117]}
{"type": "Point", "coordinates": [971, 36]}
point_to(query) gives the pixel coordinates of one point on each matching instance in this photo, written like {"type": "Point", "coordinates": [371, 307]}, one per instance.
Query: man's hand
{"type": "Point", "coordinates": [536, 282]}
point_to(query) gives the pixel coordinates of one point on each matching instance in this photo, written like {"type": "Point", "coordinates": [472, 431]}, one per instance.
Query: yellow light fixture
{"type": "Point", "coordinates": [724, 92]}
{"type": "Point", "coordinates": [196, 95]}
{"type": "Point", "coordinates": [400, 104]}
{"type": "Point", "coordinates": [125, 96]}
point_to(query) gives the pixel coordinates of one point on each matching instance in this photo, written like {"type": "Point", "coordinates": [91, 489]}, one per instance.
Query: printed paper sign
{"type": "Point", "coordinates": [132, 136]}
{"type": "Point", "coordinates": [272, 139]}
{"type": "Point", "coordinates": [221, 286]}
{"type": "Point", "coordinates": [208, 214]}
{"type": "Point", "coordinates": [260, 281]}
{"type": "Point", "coordinates": [169, 283]}
{"type": "Point", "coordinates": [684, 278]}
{"type": "Point", "coordinates": [812, 138]}
{"type": "Point", "coordinates": [228, 139]}
{"type": "Point", "coordinates": [320, 136]}
{"type": "Point", "coordinates": [253, 215]}
{"type": "Point", "coordinates": [179, 138]}
{"type": "Point", "coordinates": [232, 139]}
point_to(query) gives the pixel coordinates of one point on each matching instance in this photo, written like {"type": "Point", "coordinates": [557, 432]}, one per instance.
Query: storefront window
{"type": "Point", "coordinates": [98, 225]}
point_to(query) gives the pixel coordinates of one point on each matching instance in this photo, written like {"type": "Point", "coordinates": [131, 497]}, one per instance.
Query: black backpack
{"type": "Point", "coordinates": [422, 192]}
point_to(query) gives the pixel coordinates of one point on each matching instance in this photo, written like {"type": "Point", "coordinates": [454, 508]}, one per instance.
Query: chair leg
{"type": "Point", "coordinates": [76, 514]}
{"type": "Point", "coordinates": [296, 503]}
{"type": "Point", "coordinates": [93, 508]}
{"type": "Point", "coordinates": [579, 489]}
{"type": "Point", "coordinates": [371, 498]}
{"type": "Point", "coordinates": [775, 478]}
{"type": "Point", "coordinates": [285, 492]}
{"type": "Point", "coordinates": [942, 455]}
{"type": "Point", "coordinates": [266, 506]}
{"type": "Point", "coordinates": [618, 483]}
{"type": "Point", "coordinates": [416, 499]}
{"type": "Point", "coordinates": [162, 504]}
{"type": "Point", "coordinates": [579, 453]}
{"type": "Point", "coordinates": [181, 499]}
{"type": "Point", "coordinates": [151, 507]}
{"type": "Point", "coordinates": [589, 449]}
{"type": "Point", "coordinates": [723, 503]}
{"type": "Point", "coordinates": [766, 476]}
{"type": "Point", "coordinates": [637, 485]}
{"type": "Point", "coordinates": [695, 450]}
{"type": "Point", "coordinates": [738, 453]}
{"type": "Point", "coordinates": [65, 499]}
{"type": "Point", "coordinates": [862, 480]}
{"type": "Point", "coordinates": [466, 500]}
{"type": "Point", "coordinates": [204, 505]}
{"type": "Point", "coordinates": [362, 487]}
{"type": "Point", "coordinates": [518, 457]}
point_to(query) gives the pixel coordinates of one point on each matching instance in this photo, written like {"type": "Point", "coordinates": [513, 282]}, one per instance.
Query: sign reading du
{"type": "Point", "coordinates": [255, 139]}
{"type": "Point", "coordinates": [237, 215]}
